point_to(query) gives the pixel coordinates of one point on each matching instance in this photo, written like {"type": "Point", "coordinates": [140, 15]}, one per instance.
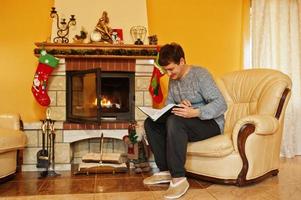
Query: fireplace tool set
{"type": "Point", "coordinates": [46, 156]}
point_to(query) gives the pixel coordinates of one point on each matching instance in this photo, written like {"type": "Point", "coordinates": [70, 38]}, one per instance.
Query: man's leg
{"type": "Point", "coordinates": [156, 136]}
{"type": "Point", "coordinates": [180, 131]}
{"type": "Point", "coordinates": [177, 140]}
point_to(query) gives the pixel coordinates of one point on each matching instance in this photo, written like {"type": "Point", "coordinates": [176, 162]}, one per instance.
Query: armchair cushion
{"type": "Point", "coordinates": [217, 146]}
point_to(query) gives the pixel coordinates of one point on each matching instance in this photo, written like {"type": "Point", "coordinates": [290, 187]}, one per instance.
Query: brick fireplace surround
{"type": "Point", "coordinates": [74, 140]}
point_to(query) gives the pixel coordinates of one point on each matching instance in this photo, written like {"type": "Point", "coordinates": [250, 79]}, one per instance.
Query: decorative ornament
{"type": "Point", "coordinates": [155, 88]}
{"type": "Point", "coordinates": [137, 150]}
{"type": "Point", "coordinates": [95, 36]}
{"type": "Point", "coordinates": [103, 29]}
{"type": "Point", "coordinates": [153, 40]}
{"type": "Point", "coordinates": [82, 35]}
{"type": "Point", "coordinates": [62, 27]}
{"type": "Point", "coordinates": [45, 67]}
{"type": "Point", "coordinates": [138, 34]}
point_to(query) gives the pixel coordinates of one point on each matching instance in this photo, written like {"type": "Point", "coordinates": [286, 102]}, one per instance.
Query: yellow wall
{"type": "Point", "coordinates": [209, 30]}
{"type": "Point", "coordinates": [22, 23]}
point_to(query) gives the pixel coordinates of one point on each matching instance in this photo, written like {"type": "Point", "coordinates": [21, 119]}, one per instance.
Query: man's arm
{"type": "Point", "coordinates": [215, 102]}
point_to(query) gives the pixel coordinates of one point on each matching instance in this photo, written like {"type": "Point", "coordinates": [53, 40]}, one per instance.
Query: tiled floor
{"type": "Point", "coordinates": [287, 185]}
{"type": "Point", "coordinates": [29, 183]}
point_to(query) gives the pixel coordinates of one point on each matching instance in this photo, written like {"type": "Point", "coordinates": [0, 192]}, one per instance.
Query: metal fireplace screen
{"type": "Point", "coordinates": [93, 96]}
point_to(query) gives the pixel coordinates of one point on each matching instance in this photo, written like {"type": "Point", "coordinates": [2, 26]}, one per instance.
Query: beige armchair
{"type": "Point", "coordinates": [12, 139]}
{"type": "Point", "coordinates": [249, 149]}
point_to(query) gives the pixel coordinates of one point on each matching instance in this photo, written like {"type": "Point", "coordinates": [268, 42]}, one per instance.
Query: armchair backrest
{"type": "Point", "coordinates": [252, 92]}
{"type": "Point", "coordinates": [10, 121]}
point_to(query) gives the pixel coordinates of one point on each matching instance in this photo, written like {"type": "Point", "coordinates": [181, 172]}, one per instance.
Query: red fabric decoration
{"type": "Point", "coordinates": [154, 87]}
{"type": "Point", "coordinates": [39, 86]}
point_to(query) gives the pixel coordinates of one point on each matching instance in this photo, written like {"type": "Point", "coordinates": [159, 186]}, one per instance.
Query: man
{"type": "Point", "coordinates": [200, 116]}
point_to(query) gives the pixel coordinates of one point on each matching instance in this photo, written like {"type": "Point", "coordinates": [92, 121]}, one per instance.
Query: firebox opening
{"type": "Point", "coordinates": [114, 95]}
{"type": "Point", "coordinates": [117, 96]}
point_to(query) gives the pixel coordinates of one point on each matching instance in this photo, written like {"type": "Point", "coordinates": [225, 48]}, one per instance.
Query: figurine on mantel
{"type": "Point", "coordinates": [102, 32]}
{"type": "Point", "coordinates": [81, 37]}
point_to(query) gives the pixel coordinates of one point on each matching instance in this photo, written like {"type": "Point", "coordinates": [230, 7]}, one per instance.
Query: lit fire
{"type": "Point", "coordinates": [105, 103]}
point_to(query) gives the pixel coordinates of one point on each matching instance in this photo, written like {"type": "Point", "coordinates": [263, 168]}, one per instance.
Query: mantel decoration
{"type": "Point", "coordinates": [102, 32]}
{"type": "Point", "coordinates": [138, 34]}
{"type": "Point", "coordinates": [81, 37]}
{"type": "Point", "coordinates": [62, 26]}
{"type": "Point", "coordinates": [47, 63]}
{"type": "Point", "coordinates": [153, 40]}
{"type": "Point", "coordinates": [100, 52]}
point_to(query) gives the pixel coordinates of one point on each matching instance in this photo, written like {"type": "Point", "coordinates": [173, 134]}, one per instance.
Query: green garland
{"type": "Point", "coordinates": [113, 52]}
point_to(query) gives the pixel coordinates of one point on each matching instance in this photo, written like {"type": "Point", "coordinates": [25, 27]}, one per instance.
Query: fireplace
{"type": "Point", "coordinates": [73, 140]}
{"type": "Point", "coordinates": [94, 96]}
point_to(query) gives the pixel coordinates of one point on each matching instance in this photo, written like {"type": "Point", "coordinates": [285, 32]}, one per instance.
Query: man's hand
{"type": "Point", "coordinates": [185, 102]}
{"type": "Point", "coordinates": [185, 110]}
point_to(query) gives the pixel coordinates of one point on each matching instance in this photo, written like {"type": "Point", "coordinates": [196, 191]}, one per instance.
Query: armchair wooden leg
{"type": "Point", "coordinates": [19, 161]}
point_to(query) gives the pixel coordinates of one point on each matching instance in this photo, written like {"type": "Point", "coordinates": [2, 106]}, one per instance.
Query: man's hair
{"type": "Point", "coordinates": [170, 53]}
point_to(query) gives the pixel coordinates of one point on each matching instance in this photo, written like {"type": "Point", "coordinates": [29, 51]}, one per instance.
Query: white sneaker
{"type": "Point", "coordinates": [177, 190]}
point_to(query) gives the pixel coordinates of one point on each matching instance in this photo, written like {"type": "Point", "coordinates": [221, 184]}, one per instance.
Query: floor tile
{"type": "Point", "coordinates": [67, 186]}
{"type": "Point", "coordinates": [17, 188]}
{"type": "Point", "coordinates": [191, 194]}
{"type": "Point", "coordinates": [222, 192]}
{"type": "Point", "coordinates": [125, 196]}
{"type": "Point", "coordinates": [119, 185]}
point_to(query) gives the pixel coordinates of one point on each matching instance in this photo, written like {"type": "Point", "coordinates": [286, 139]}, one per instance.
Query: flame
{"type": "Point", "coordinates": [105, 103]}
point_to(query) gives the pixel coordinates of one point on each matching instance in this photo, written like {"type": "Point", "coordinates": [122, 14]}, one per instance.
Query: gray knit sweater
{"type": "Point", "coordinates": [199, 88]}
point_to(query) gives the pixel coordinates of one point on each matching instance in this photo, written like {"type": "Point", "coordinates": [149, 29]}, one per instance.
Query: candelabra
{"type": "Point", "coordinates": [62, 26]}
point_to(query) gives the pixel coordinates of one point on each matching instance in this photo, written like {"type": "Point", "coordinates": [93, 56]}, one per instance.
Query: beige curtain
{"type": "Point", "coordinates": [276, 43]}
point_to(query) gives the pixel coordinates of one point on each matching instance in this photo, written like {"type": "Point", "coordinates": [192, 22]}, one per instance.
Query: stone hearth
{"type": "Point", "coordinates": [74, 140]}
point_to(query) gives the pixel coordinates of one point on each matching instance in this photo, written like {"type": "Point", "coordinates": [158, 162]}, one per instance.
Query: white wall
{"type": "Point", "coordinates": [122, 14]}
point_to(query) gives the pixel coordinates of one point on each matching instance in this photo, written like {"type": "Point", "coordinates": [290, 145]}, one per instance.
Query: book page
{"type": "Point", "coordinates": [156, 113]}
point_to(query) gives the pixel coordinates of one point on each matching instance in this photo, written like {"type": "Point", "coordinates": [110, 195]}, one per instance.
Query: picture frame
{"type": "Point", "coordinates": [117, 36]}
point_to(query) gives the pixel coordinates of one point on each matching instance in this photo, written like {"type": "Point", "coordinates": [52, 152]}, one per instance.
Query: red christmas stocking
{"type": "Point", "coordinates": [39, 87]}
{"type": "Point", "coordinates": [155, 88]}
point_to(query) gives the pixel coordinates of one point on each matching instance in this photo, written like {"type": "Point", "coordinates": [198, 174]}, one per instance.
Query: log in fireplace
{"type": "Point", "coordinates": [95, 96]}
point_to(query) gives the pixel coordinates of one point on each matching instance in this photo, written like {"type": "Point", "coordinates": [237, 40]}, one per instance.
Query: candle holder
{"type": "Point", "coordinates": [62, 26]}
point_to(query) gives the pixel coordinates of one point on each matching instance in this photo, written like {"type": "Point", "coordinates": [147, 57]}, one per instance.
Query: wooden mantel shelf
{"type": "Point", "coordinates": [98, 50]}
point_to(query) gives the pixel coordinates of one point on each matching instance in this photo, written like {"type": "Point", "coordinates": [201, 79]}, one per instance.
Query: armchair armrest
{"type": "Point", "coordinates": [263, 124]}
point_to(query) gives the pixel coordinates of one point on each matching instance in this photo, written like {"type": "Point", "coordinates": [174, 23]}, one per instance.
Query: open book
{"type": "Point", "coordinates": [156, 114]}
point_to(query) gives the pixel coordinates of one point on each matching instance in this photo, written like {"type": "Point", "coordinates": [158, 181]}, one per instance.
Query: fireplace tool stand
{"type": "Point", "coordinates": [49, 132]}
